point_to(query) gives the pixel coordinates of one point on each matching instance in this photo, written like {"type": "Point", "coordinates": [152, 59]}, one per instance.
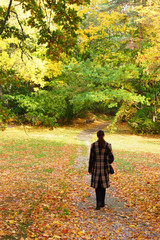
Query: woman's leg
{"type": "Point", "coordinates": [98, 196]}
{"type": "Point", "coordinates": [103, 197]}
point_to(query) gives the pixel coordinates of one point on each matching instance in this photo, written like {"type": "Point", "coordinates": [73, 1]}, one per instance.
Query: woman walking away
{"type": "Point", "coordinates": [100, 157]}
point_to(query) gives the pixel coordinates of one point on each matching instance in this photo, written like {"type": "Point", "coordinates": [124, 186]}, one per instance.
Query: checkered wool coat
{"type": "Point", "coordinates": [99, 161]}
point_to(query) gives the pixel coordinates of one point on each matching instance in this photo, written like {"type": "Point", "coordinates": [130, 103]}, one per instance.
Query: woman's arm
{"type": "Point", "coordinates": [110, 154]}
{"type": "Point", "coordinates": [91, 159]}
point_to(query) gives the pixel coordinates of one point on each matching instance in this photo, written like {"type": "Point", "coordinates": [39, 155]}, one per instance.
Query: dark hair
{"type": "Point", "coordinates": [100, 135]}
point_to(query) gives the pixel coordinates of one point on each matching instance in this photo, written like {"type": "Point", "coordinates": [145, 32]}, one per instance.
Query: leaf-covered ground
{"type": "Point", "coordinates": [44, 192]}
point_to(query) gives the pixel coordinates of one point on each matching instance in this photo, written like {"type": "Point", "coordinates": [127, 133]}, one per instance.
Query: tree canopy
{"type": "Point", "coordinates": [62, 58]}
{"type": "Point", "coordinates": [55, 22]}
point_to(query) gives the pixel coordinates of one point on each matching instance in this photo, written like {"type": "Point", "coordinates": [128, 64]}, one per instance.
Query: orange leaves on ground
{"type": "Point", "coordinates": [137, 181]}
{"type": "Point", "coordinates": [37, 188]}
{"type": "Point", "coordinates": [43, 195]}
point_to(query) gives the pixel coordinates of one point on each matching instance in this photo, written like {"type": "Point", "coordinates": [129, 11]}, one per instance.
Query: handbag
{"type": "Point", "coordinates": [111, 170]}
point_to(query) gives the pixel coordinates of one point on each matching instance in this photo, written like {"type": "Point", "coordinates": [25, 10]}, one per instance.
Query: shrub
{"type": "Point", "coordinates": [48, 108]}
{"type": "Point", "coordinates": [144, 125]}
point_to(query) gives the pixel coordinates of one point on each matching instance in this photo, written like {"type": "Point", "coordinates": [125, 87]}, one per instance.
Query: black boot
{"type": "Point", "coordinates": [102, 205]}
{"type": "Point", "coordinates": [98, 207]}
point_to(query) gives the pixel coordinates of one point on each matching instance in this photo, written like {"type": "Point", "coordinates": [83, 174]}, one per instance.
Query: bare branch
{"type": "Point", "coordinates": [24, 53]}
{"type": "Point", "coordinates": [139, 108]}
{"type": "Point", "coordinates": [20, 46]}
{"type": "Point", "coordinates": [19, 23]}
{"type": "Point", "coordinates": [7, 16]}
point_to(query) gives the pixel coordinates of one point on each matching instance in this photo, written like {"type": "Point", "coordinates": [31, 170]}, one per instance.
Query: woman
{"type": "Point", "coordinates": [100, 157]}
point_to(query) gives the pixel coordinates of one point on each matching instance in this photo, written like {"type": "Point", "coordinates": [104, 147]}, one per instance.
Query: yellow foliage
{"type": "Point", "coordinates": [90, 8]}
{"type": "Point", "coordinates": [30, 69]}
{"type": "Point", "coordinates": [150, 22]}
{"type": "Point", "coordinates": [53, 68]}
{"type": "Point", "coordinates": [106, 24]}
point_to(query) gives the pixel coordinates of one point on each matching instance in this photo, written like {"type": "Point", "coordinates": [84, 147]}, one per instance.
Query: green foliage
{"type": "Point", "coordinates": [92, 86]}
{"type": "Point", "coordinates": [48, 108]}
{"type": "Point", "coordinates": [113, 68]}
{"type": "Point", "coordinates": [141, 123]}
{"type": "Point", "coordinates": [5, 116]}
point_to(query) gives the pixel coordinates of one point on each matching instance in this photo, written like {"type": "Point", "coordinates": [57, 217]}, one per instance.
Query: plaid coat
{"type": "Point", "coordinates": [99, 161]}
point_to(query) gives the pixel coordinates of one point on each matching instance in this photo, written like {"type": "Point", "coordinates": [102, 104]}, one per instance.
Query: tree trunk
{"type": "Point", "coordinates": [7, 16]}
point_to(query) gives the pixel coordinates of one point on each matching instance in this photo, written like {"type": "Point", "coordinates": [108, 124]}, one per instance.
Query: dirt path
{"type": "Point", "coordinates": [115, 220]}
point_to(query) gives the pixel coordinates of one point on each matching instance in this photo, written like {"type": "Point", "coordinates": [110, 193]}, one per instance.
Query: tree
{"type": "Point", "coordinates": [56, 22]}
{"type": "Point", "coordinates": [24, 24]}
{"type": "Point", "coordinates": [112, 67]}
{"type": "Point", "coordinates": [120, 39]}
{"type": "Point", "coordinates": [149, 57]}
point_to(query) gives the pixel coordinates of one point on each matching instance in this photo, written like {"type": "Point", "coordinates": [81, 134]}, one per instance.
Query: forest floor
{"type": "Point", "coordinates": [45, 188]}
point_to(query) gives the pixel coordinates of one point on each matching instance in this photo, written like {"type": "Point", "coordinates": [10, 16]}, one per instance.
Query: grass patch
{"type": "Point", "coordinates": [153, 165]}
{"type": "Point", "coordinates": [123, 165]}
{"type": "Point", "coordinates": [48, 170]}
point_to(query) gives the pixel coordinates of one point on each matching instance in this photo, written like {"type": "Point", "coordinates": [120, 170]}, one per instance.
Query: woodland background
{"type": "Point", "coordinates": [60, 59]}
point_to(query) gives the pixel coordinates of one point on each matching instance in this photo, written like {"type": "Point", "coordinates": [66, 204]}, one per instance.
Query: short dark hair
{"type": "Point", "coordinates": [100, 133]}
